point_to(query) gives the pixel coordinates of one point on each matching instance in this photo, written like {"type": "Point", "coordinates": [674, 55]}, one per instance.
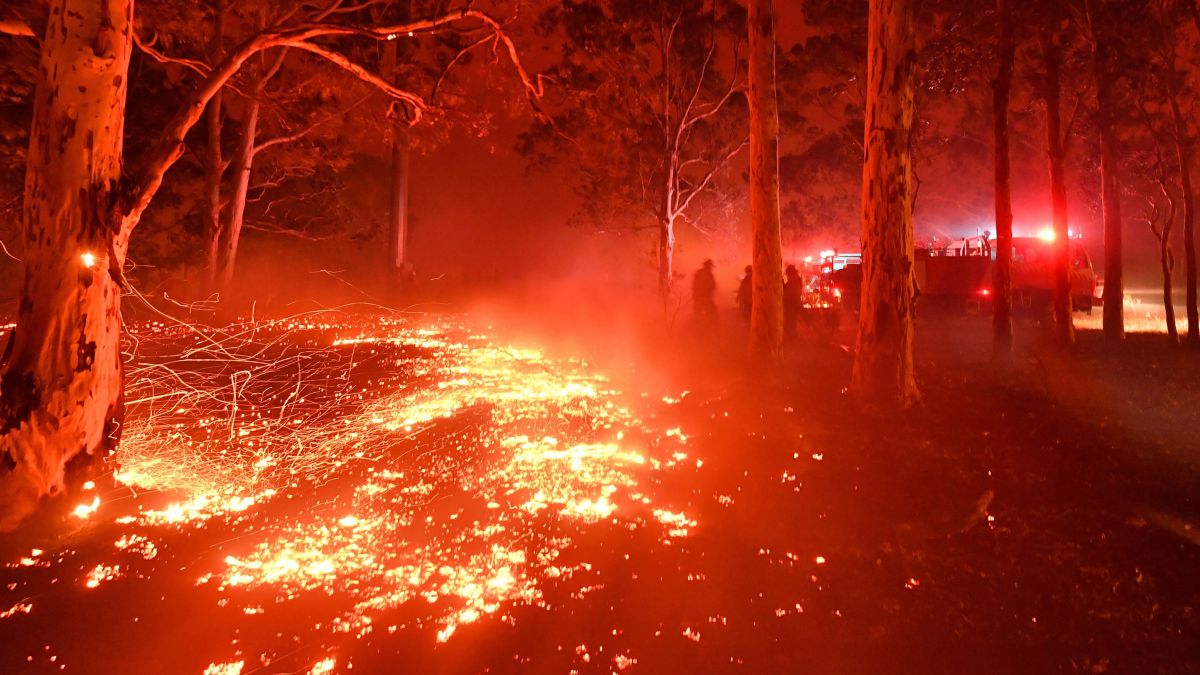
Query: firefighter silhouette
{"type": "Point", "coordinates": [745, 295]}
{"type": "Point", "coordinates": [793, 301]}
{"type": "Point", "coordinates": [704, 294]}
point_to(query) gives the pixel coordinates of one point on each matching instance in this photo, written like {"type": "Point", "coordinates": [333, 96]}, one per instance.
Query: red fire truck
{"type": "Point", "coordinates": [1033, 273]}
{"type": "Point", "coordinates": [821, 302]}
{"type": "Point", "coordinates": [959, 277]}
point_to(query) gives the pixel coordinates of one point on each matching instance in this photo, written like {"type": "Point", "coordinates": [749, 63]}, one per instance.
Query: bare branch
{"type": "Point", "coordinates": [197, 67]}
{"type": "Point", "coordinates": [457, 57]}
{"type": "Point", "coordinates": [716, 166]}
{"type": "Point", "coordinates": [306, 130]}
{"type": "Point", "coordinates": [7, 252]}
{"type": "Point", "coordinates": [16, 28]}
{"type": "Point", "coordinates": [534, 86]}
{"type": "Point", "coordinates": [1066, 141]}
{"type": "Point", "coordinates": [414, 100]}
{"type": "Point", "coordinates": [733, 91]}
{"type": "Point", "coordinates": [170, 147]}
{"type": "Point", "coordinates": [287, 232]}
{"type": "Point", "coordinates": [691, 104]}
{"type": "Point", "coordinates": [337, 9]}
{"type": "Point", "coordinates": [272, 70]}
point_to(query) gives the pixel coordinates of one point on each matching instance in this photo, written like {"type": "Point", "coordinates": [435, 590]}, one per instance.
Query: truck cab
{"type": "Point", "coordinates": [1033, 273]}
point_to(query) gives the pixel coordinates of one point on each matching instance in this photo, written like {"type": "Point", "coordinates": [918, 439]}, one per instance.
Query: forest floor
{"type": "Point", "coordinates": [390, 496]}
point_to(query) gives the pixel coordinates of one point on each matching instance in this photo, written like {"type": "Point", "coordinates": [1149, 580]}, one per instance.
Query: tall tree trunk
{"type": "Point", "coordinates": [766, 316]}
{"type": "Point", "coordinates": [1166, 262]}
{"type": "Point", "coordinates": [1064, 329]}
{"type": "Point", "coordinates": [1183, 153]}
{"type": "Point", "coordinates": [666, 259]}
{"type": "Point", "coordinates": [1110, 186]}
{"type": "Point", "coordinates": [398, 211]}
{"type": "Point", "coordinates": [60, 392]}
{"type": "Point", "coordinates": [1002, 325]}
{"type": "Point", "coordinates": [215, 163]}
{"type": "Point", "coordinates": [397, 256]}
{"type": "Point", "coordinates": [213, 171]}
{"type": "Point", "coordinates": [883, 364]}
{"type": "Point", "coordinates": [243, 166]}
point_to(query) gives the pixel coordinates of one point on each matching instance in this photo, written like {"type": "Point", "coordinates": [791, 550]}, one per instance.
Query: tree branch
{"type": "Point", "coordinates": [717, 106]}
{"type": "Point", "coordinates": [138, 193]}
{"type": "Point", "coordinates": [1066, 140]}
{"type": "Point", "coordinates": [305, 131]}
{"type": "Point", "coordinates": [418, 104]}
{"type": "Point", "coordinates": [286, 232]}
{"type": "Point", "coordinates": [733, 89]}
{"type": "Point", "coordinates": [197, 67]}
{"type": "Point", "coordinates": [457, 57]}
{"type": "Point", "coordinates": [716, 166]}
{"type": "Point", "coordinates": [17, 28]}
{"type": "Point", "coordinates": [534, 86]}
{"type": "Point", "coordinates": [691, 104]}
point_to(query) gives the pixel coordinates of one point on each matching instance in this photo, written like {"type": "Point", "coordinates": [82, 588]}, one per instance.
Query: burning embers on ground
{"type": "Point", "coordinates": [395, 478]}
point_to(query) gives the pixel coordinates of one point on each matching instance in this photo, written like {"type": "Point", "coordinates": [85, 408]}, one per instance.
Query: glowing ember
{"type": "Point", "coordinates": [448, 472]}
{"type": "Point", "coordinates": [85, 510]}
{"type": "Point", "coordinates": [19, 608]}
{"type": "Point", "coordinates": [323, 666]}
{"type": "Point", "coordinates": [678, 522]}
{"type": "Point", "coordinates": [233, 668]}
{"type": "Point", "coordinates": [102, 573]}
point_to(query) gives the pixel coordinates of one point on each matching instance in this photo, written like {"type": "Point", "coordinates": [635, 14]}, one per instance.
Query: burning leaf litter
{"type": "Point", "coordinates": [436, 467]}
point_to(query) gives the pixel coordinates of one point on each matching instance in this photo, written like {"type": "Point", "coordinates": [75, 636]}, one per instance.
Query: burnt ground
{"type": "Point", "coordinates": [1039, 518]}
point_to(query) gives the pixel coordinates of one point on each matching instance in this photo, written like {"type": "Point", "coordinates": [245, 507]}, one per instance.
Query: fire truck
{"type": "Point", "coordinates": [1033, 273]}
{"type": "Point", "coordinates": [958, 278]}
{"type": "Point", "coordinates": [831, 283]}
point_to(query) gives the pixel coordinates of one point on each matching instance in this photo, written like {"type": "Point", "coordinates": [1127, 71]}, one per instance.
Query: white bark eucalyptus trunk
{"type": "Point", "coordinates": [666, 261]}
{"type": "Point", "coordinates": [766, 315]}
{"type": "Point", "coordinates": [883, 364]}
{"type": "Point", "coordinates": [60, 392]}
